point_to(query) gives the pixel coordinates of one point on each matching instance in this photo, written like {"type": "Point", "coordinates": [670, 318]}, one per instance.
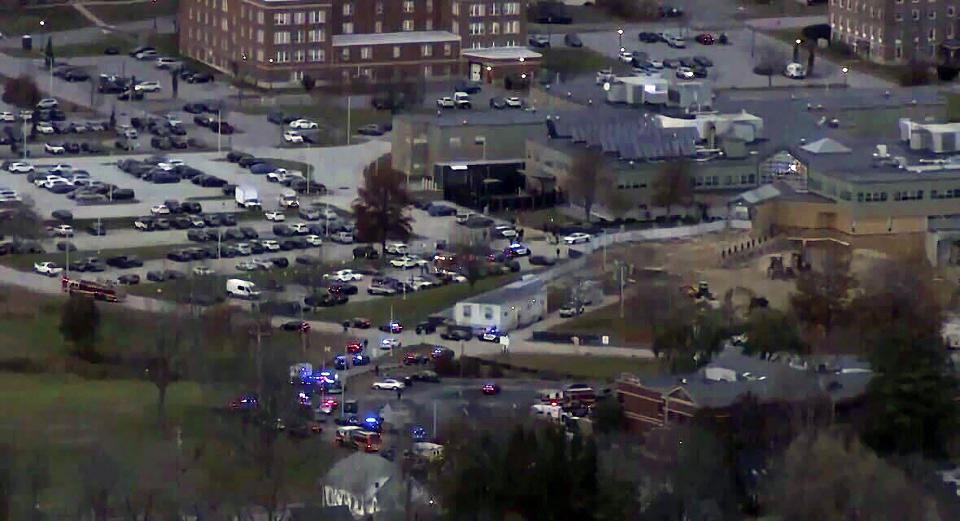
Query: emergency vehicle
{"type": "Point", "coordinates": [98, 290]}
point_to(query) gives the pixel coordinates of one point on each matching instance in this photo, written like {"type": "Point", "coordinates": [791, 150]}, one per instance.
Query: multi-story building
{"type": "Point", "coordinates": [894, 31]}
{"type": "Point", "coordinates": [278, 42]}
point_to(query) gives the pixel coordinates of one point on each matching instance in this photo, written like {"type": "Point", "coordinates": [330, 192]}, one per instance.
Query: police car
{"type": "Point", "coordinates": [490, 334]}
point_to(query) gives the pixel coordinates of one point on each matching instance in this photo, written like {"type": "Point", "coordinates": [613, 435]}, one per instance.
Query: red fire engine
{"type": "Point", "coordinates": [98, 290]}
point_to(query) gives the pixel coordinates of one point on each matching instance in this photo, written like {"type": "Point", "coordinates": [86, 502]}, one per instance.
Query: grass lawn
{"type": "Point", "coordinates": [25, 262]}
{"type": "Point", "coordinates": [571, 62]}
{"type": "Point", "coordinates": [92, 48]}
{"type": "Point", "coordinates": [587, 367]}
{"type": "Point", "coordinates": [26, 20]}
{"type": "Point", "coordinates": [328, 116]}
{"type": "Point", "coordinates": [626, 331]}
{"type": "Point", "coordinates": [416, 307]}
{"type": "Point", "coordinates": [128, 12]}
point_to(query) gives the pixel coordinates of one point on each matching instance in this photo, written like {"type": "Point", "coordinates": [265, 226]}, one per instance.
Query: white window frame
{"type": "Point", "coordinates": [426, 50]}
{"type": "Point", "coordinates": [348, 9]}
{"type": "Point", "coordinates": [366, 53]}
{"type": "Point", "coordinates": [347, 28]}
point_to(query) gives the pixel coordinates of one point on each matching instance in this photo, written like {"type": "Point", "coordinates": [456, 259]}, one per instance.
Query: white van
{"type": "Point", "coordinates": [238, 288]}
{"type": "Point", "coordinates": [795, 71]}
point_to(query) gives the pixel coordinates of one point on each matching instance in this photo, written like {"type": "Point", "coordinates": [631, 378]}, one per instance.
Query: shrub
{"type": "Point", "coordinates": [21, 91]}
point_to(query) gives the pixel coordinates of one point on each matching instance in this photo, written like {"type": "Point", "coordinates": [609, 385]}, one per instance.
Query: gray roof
{"type": "Point", "coordinates": [345, 40]}
{"type": "Point", "coordinates": [629, 135]}
{"type": "Point", "coordinates": [451, 118]}
{"type": "Point", "coordinates": [825, 146]}
{"type": "Point", "coordinates": [766, 379]}
{"type": "Point", "coordinates": [362, 472]}
{"type": "Point", "coordinates": [522, 289]}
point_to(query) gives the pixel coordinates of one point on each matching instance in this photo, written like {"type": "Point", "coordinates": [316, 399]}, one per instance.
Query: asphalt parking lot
{"type": "Point", "coordinates": [733, 63]}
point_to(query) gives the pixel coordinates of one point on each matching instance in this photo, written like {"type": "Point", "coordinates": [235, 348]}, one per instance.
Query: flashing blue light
{"type": "Point", "coordinates": [370, 419]}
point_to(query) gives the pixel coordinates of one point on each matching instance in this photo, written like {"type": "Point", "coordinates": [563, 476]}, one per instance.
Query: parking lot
{"type": "Point", "coordinates": [733, 63]}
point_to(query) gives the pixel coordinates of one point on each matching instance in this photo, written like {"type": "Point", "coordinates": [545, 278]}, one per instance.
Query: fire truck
{"type": "Point", "coordinates": [98, 290]}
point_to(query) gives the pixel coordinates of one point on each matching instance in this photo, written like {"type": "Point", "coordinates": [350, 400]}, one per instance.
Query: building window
{"type": "Point", "coordinates": [347, 28]}
{"type": "Point", "coordinates": [408, 6]}
{"type": "Point", "coordinates": [379, 7]}
{"type": "Point", "coordinates": [476, 29]}
{"type": "Point", "coordinates": [932, 15]}
{"type": "Point", "coordinates": [932, 35]}
{"type": "Point", "coordinates": [429, 6]}
{"type": "Point", "coordinates": [260, 17]}
{"type": "Point", "coordinates": [366, 53]}
{"type": "Point", "coordinates": [427, 71]}
{"type": "Point", "coordinates": [316, 55]}
{"type": "Point", "coordinates": [494, 9]}
{"type": "Point", "coordinates": [396, 51]}
{"type": "Point", "coordinates": [447, 49]}
{"type": "Point", "coordinates": [347, 9]}
{"type": "Point", "coordinates": [512, 28]}
{"type": "Point", "coordinates": [426, 50]}
{"type": "Point", "coordinates": [281, 37]}
{"type": "Point", "coordinates": [315, 35]}
{"type": "Point", "coordinates": [951, 11]}
{"type": "Point", "coordinates": [495, 28]}
{"type": "Point", "coordinates": [281, 18]}
{"type": "Point", "coordinates": [456, 9]}
{"type": "Point", "coordinates": [223, 25]}
{"type": "Point", "coordinates": [297, 76]}
{"type": "Point", "coordinates": [300, 19]}
{"type": "Point", "coordinates": [345, 54]}
{"type": "Point", "coordinates": [454, 142]}
{"type": "Point", "coordinates": [898, 49]}
{"type": "Point", "coordinates": [282, 56]}
{"type": "Point", "coordinates": [898, 17]}
{"type": "Point", "coordinates": [259, 35]}
{"type": "Point", "coordinates": [407, 25]}
{"type": "Point", "coordinates": [299, 55]}
{"type": "Point", "coordinates": [428, 25]}
{"type": "Point", "coordinates": [511, 8]}
{"type": "Point", "coordinates": [318, 17]}
{"type": "Point", "coordinates": [488, 312]}
{"type": "Point", "coordinates": [378, 26]}
{"type": "Point", "coordinates": [466, 308]}
{"type": "Point", "coordinates": [916, 14]}
{"type": "Point", "coordinates": [259, 55]}
{"type": "Point", "coordinates": [477, 9]}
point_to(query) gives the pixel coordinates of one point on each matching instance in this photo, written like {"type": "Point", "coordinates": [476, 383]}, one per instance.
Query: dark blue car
{"type": "Point", "coordinates": [262, 168]}
{"type": "Point", "coordinates": [441, 210]}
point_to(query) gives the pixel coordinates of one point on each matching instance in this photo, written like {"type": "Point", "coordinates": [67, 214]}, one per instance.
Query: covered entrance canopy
{"type": "Point", "coordinates": [495, 63]}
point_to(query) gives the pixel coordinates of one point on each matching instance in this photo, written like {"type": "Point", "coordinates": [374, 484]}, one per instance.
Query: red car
{"type": "Point", "coordinates": [705, 39]}
{"type": "Point", "coordinates": [490, 388]}
{"type": "Point", "coordinates": [355, 346]}
{"type": "Point", "coordinates": [410, 359]}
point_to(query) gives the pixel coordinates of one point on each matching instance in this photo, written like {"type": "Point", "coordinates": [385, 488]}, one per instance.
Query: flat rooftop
{"type": "Point", "coordinates": [502, 53]}
{"type": "Point", "coordinates": [407, 37]}
{"type": "Point", "coordinates": [458, 118]}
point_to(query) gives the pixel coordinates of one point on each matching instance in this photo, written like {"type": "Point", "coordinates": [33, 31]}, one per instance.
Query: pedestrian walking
{"type": "Point", "coordinates": [558, 252]}
{"type": "Point", "coordinates": [376, 370]}
{"type": "Point", "coordinates": [346, 326]}
{"type": "Point", "coordinates": [399, 393]}
{"type": "Point", "coordinates": [520, 234]}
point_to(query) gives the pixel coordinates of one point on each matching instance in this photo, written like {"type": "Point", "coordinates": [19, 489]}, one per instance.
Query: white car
{"type": "Point", "coordinates": [264, 264]}
{"type": "Point", "coordinates": [56, 183]}
{"type": "Point", "coordinates": [397, 248]}
{"type": "Point", "coordinates": [300, 228]}
{"type": "Point", "coordinates": [170, 164]}
{"type": "Point", "coordinates": [54, 148]}
{"type": "Point", "coordinates": [147, 54]}
{"type": "Point", "coordinates": [45, 128]}
{"type": "Point", "coordinates": [247, 265]}
{"type": "Point", "coordinates": [514, 102]}
{"type": "Point", "coordinates": [244, 248]}
{"type": "Point", "coordinates": [404, 262]}
{"type": "Point", "coordinates": [26, 115]}
{"type": "Point", "coordinates": [506, 231]}
{"type": "Point", "coordinates": [60, 169]}
{"type": "Point", "coordinates": [303, 124]}
{"type": "Point", "coordinates": [270, 245]}
{"type": "Point", "coordinates": [7, 117]}
{"type": "Point", "coordinates": [656, 63]}
{"type": "Point", "coordinates": [42, 179]}
{"type": "Point", "coordinates": [685, 73]}
{"type": "Point", "coordinates": [47, 103]}
{"type": "Point", "coordinates": [605, 76]}
{"type": "Point", "coordinates": [166, 63]}
{"type": "Point", "coordinates": [796, 71]}
{"type": "Point", "coordinates": [9, 196]}
{"type": "Point", "coordinates": [342, 237]}
{"type": "Point", "coordinates": [47, 268]}
{"type": "Point", "coordinates": [201, 271]}
{"type": "Point", "coordinates": [20, 167]}
{"type": "Point", "coordinates": [446, 102]}
{"type": "Point", "coordinates": [148, 86]}
{"type": "Point", "coordinates": [576, 238]}
{"type": "Point", "coordinates": [292, 136]}
{"type": "Point", "coordinates": [570, 310]}
{"type": "Point", "coordinates": [389, 343]}
{"type": "Point", "coordinates": [173, 120]}
{"type": "Point", "coordinates": [275, 216]}
{"type": "Point", "coordinates": [387, 384]}
{"type": "Point", "coordinates": [313, 240]}
{"type": "Point", "coordinates": [160, 209]}
{"type": "Point", "coordinates": [676, 42]}
{"type": "Point", "coordinates": [197, 222]}
{"type": "Point", "coordinates": [345, 275]}
{"type": "Point", "coordinates": [63, 230]}
{"type": "Point", "coordinates": [626, 56]}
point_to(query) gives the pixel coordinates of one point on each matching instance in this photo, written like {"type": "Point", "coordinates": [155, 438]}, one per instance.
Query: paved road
{"type": "Point", "coordinates": [139, 29]}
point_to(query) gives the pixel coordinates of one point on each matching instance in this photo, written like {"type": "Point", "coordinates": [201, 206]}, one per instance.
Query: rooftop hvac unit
{"type": "Point", "coordinates": [720, 374]}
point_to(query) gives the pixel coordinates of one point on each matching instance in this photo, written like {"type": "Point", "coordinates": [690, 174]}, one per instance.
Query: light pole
{"type": "Point", "coordinates": [844, 71]}
{"type": "Point", "coordinates": [620, 38]}
{"type": "Point", "coordinates": [270, 81]}
{"type": "Point", "coordinates": [796, 50]}
{"type": "Point", "coordinates": [241, 66]}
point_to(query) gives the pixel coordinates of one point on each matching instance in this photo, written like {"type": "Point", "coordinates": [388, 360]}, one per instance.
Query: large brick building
{"type": "Point", "coordinates": [894, 31]}
{"type": "Point", "coordinates": [277, 42]}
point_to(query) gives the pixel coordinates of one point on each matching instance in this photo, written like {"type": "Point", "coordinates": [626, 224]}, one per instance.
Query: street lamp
{"type": "Point", "coordinates": [270, 82]}
{"type": "Point", "coordinates": [619, 37]}
{"type": "Point", "coordinates": [844, 71]}
{"type": "Point", "coordinates": [796, 50]}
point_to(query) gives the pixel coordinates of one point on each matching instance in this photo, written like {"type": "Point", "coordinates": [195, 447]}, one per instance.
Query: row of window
{"type": "Point", "coordinates": [285, 37]}
{"type": "Point", "coordinates": [906, 195]}
{"type": "Point", "coordinates": [366, 53]}
{"type": "Point", "coordinates": [480, 28]}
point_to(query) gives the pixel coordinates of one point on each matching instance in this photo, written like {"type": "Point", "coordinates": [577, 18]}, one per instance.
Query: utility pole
{"type": "Point", "coordinates": [461, 359]}
{"type": "Point", "coordinates": [349, 100]}
{"type": "Point", "coordinates": [434, 419]}
{"type": "Point", "coordinates": [219, 133]}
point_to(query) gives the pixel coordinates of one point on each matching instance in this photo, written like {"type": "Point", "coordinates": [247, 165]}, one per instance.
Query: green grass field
{"type": "Point", "coordinates": [626, 331]}
{"type": "Point", "coordinates": [329, 116]}
{"type": "Point", "coordinates": [587, 367]}
{"type": "Point", "coordinates": [92, 48]}
{"type": "Point", "coordinates": [415, 307]}
{"type": "Point", "coordinates": [571, 62]}
{"type": "Point", "coordinates": [129, 12]}
{"type": "Point", "coordinates": [27, 20]}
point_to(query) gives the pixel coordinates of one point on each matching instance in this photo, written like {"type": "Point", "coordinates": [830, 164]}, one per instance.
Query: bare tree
{"type": "Point", "coordinates": [381, 205]}
{"type": "Point", "coordinates": [673, 185]}
{"type": "Point", "coordinates": [769, 62]}
{"type": "Point", "coordinates": [827, 476]}
{"type": "Point", "coordinates": [164, 362]}
{"type": "Point", "coordinates": [587, 178]}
